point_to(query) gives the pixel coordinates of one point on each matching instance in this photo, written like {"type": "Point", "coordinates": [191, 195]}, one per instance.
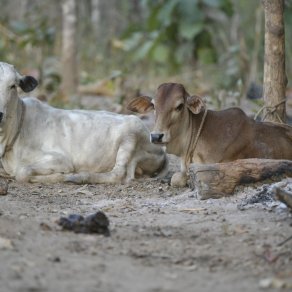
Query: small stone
{"type": "Point", "coordinates": [94, 223]}
{"type": "Point", "coordinates": [272, 283]}
{"type": "Point", "coordinates": [55, 259]}
{"type": "Point", "coordinates": [3, 187]}
{"type": "Point", "coordinates": [5, 243]}
{"type": "Point", "coordinates": [44, 226]}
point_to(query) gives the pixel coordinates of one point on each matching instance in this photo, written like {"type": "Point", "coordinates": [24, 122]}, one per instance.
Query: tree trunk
{"type": "Point", "coordinates": [95, 15]}
{"type": "Point", "coordinates": [256, 48]}
{"type": "Point", "coordinates": [275, 79]}
{"type": "Point", "coordinates": [220, 179]}
{"type": "Point", "coordinates": [69, 49]}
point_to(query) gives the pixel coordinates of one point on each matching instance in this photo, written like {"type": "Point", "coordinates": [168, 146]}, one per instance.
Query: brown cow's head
{"type": "Point", "coordinates": [171, 105]}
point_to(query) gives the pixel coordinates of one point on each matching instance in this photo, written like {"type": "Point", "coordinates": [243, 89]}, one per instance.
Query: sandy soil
{"type": "Point", "coordinates": [162, 239]}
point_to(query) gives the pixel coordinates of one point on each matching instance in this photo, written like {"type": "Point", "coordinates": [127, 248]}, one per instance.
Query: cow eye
{"type": "Point", "coordinates": [179, 107]}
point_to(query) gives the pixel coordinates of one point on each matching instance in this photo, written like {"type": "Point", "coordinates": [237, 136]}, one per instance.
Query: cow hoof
{"type": "Point", "coordinates": [178, 180]}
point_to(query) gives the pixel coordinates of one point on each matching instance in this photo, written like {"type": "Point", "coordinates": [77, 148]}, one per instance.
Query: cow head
{"type": "Point", "coordinates": [172, 106]}
{"type": "Point", "coordinates": [9, 80]}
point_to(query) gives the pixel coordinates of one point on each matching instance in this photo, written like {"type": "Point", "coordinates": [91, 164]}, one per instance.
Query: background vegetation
{"type": "Point", "coordinates": [212, 46]}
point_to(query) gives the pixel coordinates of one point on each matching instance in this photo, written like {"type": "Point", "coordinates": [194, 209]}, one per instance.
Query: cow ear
{"type": "Point", "coordinates": [195, 104]}
{"type": "Point", "coordinates": [28, 83]}
{"type": "Point", "coordinates": [141, 104]}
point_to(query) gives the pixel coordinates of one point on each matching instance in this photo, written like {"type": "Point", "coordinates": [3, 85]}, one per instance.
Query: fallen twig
{"type": "Point", "coordinates": [284, 241]}
{"type": "Point", "coordinates": [192, 209]}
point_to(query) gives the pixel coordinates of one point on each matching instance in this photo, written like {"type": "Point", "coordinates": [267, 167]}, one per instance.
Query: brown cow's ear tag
{"type": "Point", "coordinates": [195, 104]}
{"type": "Point", "coordinates": [141, 104]}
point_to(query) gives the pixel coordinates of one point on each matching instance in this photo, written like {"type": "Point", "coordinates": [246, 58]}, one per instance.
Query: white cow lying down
{"type": "Point", "coordinates": [39, 143]}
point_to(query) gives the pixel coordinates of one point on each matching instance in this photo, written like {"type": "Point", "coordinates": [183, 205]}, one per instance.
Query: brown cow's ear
{"type": "Point", "coordinates": [141, 104]}
{"type": "Point", "coordinates": [195, 104]}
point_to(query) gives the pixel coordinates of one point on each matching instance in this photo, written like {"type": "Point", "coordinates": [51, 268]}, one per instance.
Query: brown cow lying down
{"type": "Point", "coordinates": [190, 131]}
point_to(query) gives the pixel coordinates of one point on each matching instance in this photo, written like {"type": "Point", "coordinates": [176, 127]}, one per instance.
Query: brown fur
{"type": "Point", "coordinates": [226, 135]}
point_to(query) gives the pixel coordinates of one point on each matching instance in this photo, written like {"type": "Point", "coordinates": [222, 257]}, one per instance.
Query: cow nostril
{"type": "Point", "coordinates": [1, 116]}
{"type": "Point", "coordinates": [156, 138]}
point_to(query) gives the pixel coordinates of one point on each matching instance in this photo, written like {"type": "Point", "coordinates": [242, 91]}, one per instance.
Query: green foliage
{"type": "Point", "coordinates": [28, 37]}
{"type": "Point", "coordinates": [175, 32]}
{"type": "Point", "coordinates": [42, 34]}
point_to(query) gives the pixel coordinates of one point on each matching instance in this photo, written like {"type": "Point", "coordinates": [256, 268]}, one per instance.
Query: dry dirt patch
{"type": "Point", "coordinates": [162, 239]}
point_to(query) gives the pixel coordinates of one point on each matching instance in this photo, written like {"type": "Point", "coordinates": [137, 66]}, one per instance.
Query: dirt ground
{"type": "Point", "coordinates": [162, 239]}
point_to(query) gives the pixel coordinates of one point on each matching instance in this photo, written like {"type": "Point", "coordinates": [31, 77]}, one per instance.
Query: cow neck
{"type": "Point", "coordinates": [181, 136]}
{"type": "Point", "coordinates": [194, 139]}
{"type": "Point", "coordinates": [19, 126]}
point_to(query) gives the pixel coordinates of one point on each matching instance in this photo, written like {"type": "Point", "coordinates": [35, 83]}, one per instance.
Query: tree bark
{"type": "Point", "coordinates": [275, 79]}
{"type": "Point", "coordinates": [69, 49]}
{"type": "Point", "coordinates": [220, 179]}
{"type": "Point", "coordinates": [95, 15]}
{"type": "Point", "coordinates": [253, 74]}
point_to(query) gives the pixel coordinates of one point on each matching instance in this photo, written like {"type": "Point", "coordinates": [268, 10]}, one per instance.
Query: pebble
{"type": "Point", "coordinates": [5, 243]}
{"type": "Point", "coordinates": [3, 187]}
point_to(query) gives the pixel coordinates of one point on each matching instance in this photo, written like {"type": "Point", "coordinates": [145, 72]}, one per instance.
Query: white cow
{"type": "Point", "coordinates": [39, 143]}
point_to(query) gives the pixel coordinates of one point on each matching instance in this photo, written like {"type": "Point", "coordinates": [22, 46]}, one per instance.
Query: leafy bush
{"type": "Point", "coordinates": [175, 32]}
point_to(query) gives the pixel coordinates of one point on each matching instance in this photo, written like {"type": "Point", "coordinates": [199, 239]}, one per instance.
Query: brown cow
{"type": "Point", "coordinates": [190, 131]}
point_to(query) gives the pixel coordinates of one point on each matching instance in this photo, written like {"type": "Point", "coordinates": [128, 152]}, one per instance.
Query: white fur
{"type": "Point", "coordinates": [71, 145]}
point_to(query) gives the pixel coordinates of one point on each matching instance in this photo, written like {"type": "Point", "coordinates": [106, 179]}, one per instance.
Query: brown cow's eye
{"type": "Point", "coordinates": [179, 107]}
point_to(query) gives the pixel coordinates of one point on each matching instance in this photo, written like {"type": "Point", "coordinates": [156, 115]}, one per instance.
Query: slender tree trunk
{"type": "Point", "coordinates": [275, 79]}
{"type": "Point", "coordinates": [23, 8]}
{"type": "Point", "coordinates": [256, 48]}
{"type": "Point", "coordinates": [95, 15]}
{"type": "Point", "coordinates": [69, 49]}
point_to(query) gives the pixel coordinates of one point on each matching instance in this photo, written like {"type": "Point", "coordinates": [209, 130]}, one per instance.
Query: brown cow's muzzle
{"type": "Point", "coordinates": [156, 138]}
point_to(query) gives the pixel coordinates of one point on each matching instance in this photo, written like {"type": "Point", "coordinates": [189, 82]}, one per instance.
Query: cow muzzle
{"type": "Point", "coordinates": [156, 138]}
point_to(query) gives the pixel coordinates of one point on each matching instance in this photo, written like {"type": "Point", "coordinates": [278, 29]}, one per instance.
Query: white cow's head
{"type": "Point", "coordinates": [9, 80]}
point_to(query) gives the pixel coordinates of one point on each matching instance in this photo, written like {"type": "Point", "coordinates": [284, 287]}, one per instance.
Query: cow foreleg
{"type": "Point", "coordinates": [179, 179]}
{"type": "Point", "coordinates": [51, 168]}
{"type": "Point", "coordinates": [123, 170]}
{"type": "Point", "coordinates": [50, 178]}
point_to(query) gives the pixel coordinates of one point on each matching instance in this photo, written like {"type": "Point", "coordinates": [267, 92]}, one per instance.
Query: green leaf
{"type": "Point", "coordinates": [166, 11]}
{"type": "Point", "coordinates": [152, 22]}
{"type": "Point", "coordinates": [214, 3]}
{"type": "Point", "coordinates": [144, 50]}
{"type": "Point", "coordinates": [184, 52]}
{"type": "Point", "coordinates": [189, 31]}
{"type": "Point", "coordinates": [206, 55]}
{"type": "Point", "coordinates": [189, 11]}
{"type": "Point", "coordinates": [160, 53]}
{"type": "Point", "coordinates": [133, 41]}
{"type": "Point", "coordinates": [19, 26]}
